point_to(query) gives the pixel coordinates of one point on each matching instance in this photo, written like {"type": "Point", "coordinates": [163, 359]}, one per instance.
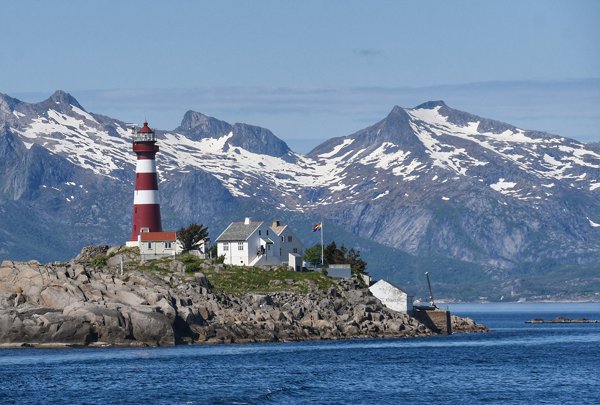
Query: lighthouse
{"type": "Point", "coordinates": [146, 205]}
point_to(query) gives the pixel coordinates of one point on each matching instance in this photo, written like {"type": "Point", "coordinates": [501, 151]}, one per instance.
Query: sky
{"type": "Point", "coordinates": [310, 70]}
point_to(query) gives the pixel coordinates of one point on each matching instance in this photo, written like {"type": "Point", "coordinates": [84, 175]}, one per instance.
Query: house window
{"type": "Point", "coordinates": [290, 238]}
{"type": "Point", "coordinates": [295, 250]}
{"type": "Point", "coordinates": [269, 247]}
{"type": "Point", "coordinates": [282, 238]}
{"type": "Point", "coordinates": [267, 232]}
{"type": "Point", "coordinates": [167, 245]}
{"type": "Point", "coordinates": [225, 247]}
{"type": "Point", "coordinates": [259, 232]}
{"type": "Point", "coordinates": [240, 245]}
{"type": "Point", "coordinates": [149, 245]}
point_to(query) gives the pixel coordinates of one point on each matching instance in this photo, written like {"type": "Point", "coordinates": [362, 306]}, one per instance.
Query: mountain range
{"type": "Point", "coordinates": [488, 208]}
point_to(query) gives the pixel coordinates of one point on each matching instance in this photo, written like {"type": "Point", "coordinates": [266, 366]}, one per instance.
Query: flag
{"type": "Point", "coordinates": [317, 227]}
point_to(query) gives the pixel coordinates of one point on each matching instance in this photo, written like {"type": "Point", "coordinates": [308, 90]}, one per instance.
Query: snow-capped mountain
{"type": "Point", "coordinates": [429, 181]}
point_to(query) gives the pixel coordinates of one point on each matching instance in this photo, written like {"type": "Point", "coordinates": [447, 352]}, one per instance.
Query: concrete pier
{"type": "Point", "coordinates": [435, 319]}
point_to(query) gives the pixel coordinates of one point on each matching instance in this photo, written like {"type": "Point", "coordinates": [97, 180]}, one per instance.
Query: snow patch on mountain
{"type": "Point", "coordinates": [593, 224]}
{"type": "Point", "coordinates": [381, 195]}
{"type": "Point", "coordinates": [337, 148]}
{"type": "Point", "coordinates": [502, 186]}
{"type": "Point", "coordinates": [84, 114]}
{"type": "Point", "coordinates": [86, 146]}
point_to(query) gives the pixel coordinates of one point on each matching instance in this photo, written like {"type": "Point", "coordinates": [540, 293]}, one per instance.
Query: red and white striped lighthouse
{"type": "Point", "coordinates": [146, 206]}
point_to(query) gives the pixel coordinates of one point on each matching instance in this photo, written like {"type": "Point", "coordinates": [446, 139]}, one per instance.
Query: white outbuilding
{"type": "Point", "coordinates": [392, 297]}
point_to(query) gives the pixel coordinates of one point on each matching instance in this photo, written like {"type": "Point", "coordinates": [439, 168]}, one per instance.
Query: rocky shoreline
{"type": "Point", "coordinates": [88, 302]}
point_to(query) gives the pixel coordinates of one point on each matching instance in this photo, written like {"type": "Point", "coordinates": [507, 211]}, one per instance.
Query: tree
{"type": "Point", "coordinates": [190, 237]}
{"type": "Point", "coordinates": [358, 265]}
{"type": "Point", "coordinates": [341, 255]}
{"type": "Point", "coordinates": [313, 254]}
{"type": "Point", "coordinates": [334, 255]}
{"type": "Point", "coordinates": [213, 251]}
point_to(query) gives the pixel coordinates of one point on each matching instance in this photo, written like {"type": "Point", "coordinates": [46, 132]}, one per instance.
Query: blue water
{"type": "Point", "coordinates": [516, 363]}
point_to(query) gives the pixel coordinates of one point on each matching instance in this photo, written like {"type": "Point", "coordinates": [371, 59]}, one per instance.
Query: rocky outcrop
{"type": "Point", "coordinates": [466, 325]}
{"type": "Point", "coordinates": [89, 302]}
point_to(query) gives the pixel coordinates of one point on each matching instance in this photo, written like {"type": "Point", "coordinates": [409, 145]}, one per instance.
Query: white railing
{"type": "Point", "coordinates": [144, 137]}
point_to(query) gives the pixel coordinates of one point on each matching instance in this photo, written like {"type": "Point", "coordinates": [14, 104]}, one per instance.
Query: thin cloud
{"type": "Point", "coordinates": [368, 52]}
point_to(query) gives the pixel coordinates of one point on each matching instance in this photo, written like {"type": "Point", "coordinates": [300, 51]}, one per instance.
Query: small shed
{"type": "Point", "coordinates": [339, 271]}
{"type": "Point", "coordinates": [295, 262]}
{"type": "Point", "coordinates": [392, 297]}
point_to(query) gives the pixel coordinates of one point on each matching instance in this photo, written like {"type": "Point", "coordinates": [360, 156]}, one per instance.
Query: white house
{"type": "Point", "coordinates": [289, 243]}
{"type": "Point", "coordinates": [255, 243]}
{"type": "Point", "coordinates": [392, 297]}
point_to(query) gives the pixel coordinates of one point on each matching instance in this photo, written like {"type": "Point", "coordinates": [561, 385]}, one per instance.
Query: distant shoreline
{"type": "Point", "coordinates": [443, 302]}
{"type": "Point", "coordinates": [562, 319]}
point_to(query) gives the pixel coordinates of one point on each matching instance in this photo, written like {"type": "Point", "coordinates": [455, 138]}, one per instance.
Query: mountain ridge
{"type": "Point", "coordinates": [429, 181]}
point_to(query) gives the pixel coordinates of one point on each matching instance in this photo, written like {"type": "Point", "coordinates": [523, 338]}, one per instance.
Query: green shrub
{"type": "Point", "coordinates": [191, 262]}
{"type": "Point", "coordinates": [99, 261]}
{"type": "Point", "coordinates": [192, 267]}
{"type": "Point", "coordinates": [240, 280]}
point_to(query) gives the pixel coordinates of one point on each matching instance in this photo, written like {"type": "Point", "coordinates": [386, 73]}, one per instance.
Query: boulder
{"type": "Point", "coordinates": [151, 328]}
{"type": "Point", "coordinates": [58, 297]}
{"type": "Point", "coordinates": [259, 300]}
{"type": "Point", "coordinates": [129, 298]}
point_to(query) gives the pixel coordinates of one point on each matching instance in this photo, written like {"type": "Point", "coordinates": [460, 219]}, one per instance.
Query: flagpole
{"type": "Point", "coordinates": [322, 248]}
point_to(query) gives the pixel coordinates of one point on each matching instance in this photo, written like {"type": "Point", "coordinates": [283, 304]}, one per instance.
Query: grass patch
{"type": "Point", "coordinates": [236, 280]}
{"type": "Point", "coordinates": [162, 265]}
{"type": "Point", "coordinates": [240, 280]}
{"type": "Point", "coordinates": [153, 268]}
{"type": "Point", "coordinates": [191, 263]}
{"type": "Point", "coordinates": [135, 251]}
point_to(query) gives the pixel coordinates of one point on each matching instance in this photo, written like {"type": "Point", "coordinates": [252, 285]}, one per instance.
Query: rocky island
{"type": "Point", "coordinates": [107, 297]}
{"type": "Point", "coordinates": [562, 319]}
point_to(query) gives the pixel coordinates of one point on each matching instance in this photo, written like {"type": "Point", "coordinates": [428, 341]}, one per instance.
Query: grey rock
{"type": "Point", "coordinates": [100, 307]}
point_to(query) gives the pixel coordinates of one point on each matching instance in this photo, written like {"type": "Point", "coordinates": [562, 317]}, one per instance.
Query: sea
{"type": "Point", "coordinates": [517, 363]}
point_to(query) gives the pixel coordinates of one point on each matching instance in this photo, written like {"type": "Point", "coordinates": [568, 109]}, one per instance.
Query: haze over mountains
{"type": "Point", "coordinates": [489, 208]}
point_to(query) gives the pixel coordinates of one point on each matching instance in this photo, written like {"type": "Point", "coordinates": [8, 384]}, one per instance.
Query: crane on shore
{"type": "Point", "coordinates": [431, 306]}
{"type": "Point", "coordinates": [431, 301]}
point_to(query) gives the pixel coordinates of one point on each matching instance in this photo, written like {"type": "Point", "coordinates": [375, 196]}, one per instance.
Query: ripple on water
{"type": "Point", "coordinates": [516, 363]}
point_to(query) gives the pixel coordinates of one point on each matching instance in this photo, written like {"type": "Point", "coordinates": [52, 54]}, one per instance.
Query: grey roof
{"type": "Point", "coordinates": [278, 228]}
{"type": "Point", "coordinates": [386, 286]}
{"type": "Point", "coordinates": [238, 231]}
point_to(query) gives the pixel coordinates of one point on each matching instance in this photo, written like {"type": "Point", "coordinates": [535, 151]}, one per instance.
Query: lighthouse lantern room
{"type": "Point", "coordinates": [146, 205]}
